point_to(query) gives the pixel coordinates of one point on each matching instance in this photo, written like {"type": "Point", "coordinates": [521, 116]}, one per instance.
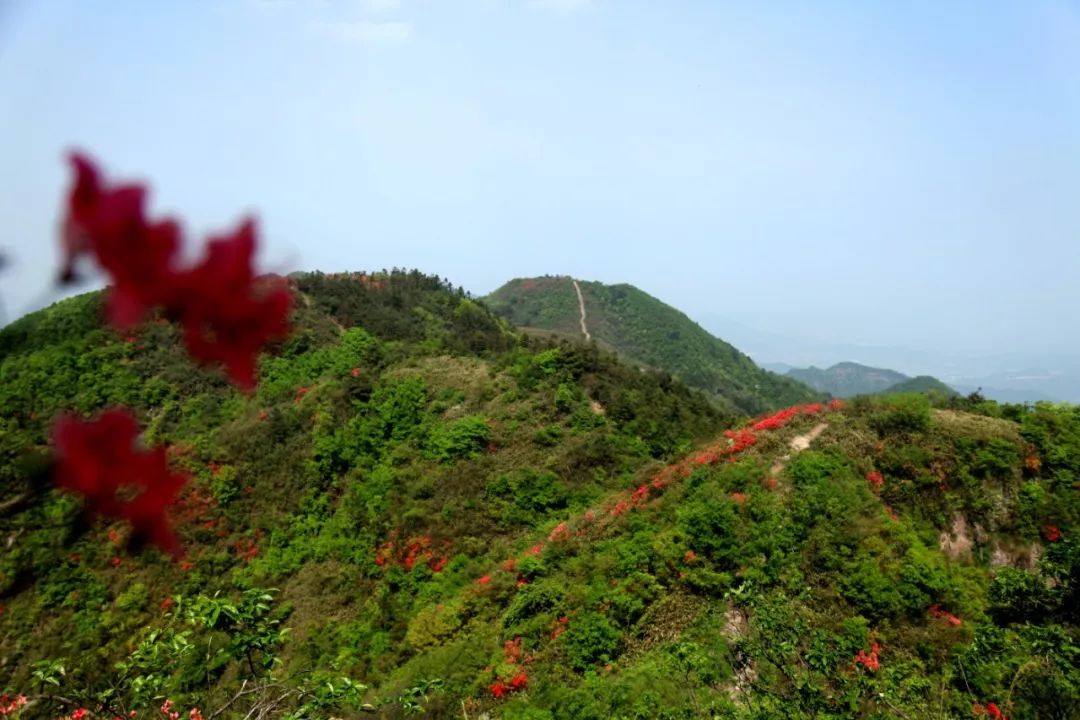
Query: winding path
{"type": "Point", "coordinates": [581, 307]}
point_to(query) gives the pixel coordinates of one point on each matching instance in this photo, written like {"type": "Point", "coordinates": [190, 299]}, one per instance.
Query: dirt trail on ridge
{"type": "Point", "coordinates": [798, 444]}
{"type": "Point", "coordinates": [581, 307]}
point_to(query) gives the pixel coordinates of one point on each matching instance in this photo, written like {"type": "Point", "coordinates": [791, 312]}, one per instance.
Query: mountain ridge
{"type": "Point", "coordinates": [647, 332]}
{"type": "Point", "coordinates": [450, 516]}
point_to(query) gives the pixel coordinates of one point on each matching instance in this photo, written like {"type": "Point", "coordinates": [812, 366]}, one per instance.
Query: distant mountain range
{"type": "Point", "coordinates": [1009, 376]}
{"type": "Point", "coordinates": [847, 379]}
{"type": "Point", "coordinates": [647, 332]}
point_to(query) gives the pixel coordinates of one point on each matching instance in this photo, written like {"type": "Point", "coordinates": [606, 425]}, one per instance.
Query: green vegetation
{"type": "Point", "coordinates": [848, 379]}
{"type": "Point", "coordinates": [923, 384]}
{"type": "Point", "coordinates": [422, 512]}
{"type": "Point", "coordinates": [645, 331]}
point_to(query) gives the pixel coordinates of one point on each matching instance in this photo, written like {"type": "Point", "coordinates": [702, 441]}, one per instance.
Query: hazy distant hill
{"type": "Point", "coordinates": [647, 332]}
{"type": "Point", "coordinates": [846, 379]}
{"type": "Point", "coordinates": [923, 384]}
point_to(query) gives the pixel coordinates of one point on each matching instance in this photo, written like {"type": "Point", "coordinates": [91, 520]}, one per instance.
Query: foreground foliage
{"type": "Point", "coordinates": [419, 511]}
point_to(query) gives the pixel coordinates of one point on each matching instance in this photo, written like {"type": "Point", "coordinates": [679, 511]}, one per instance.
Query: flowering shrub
{"type": "Point", "coordinates": [875, 479]}
{"type": "Point", "coordinates": [990, 710]}
{"type": "Point", "coordinates": [936, 612]}
{"type": "Point", "coordinates": [11, 705]}
{"type": "Point", "coordinates": [869, 661]}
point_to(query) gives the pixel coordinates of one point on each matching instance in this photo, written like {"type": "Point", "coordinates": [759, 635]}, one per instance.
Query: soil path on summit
{"type": "Point", "coordinates": [581, 307]}
{"type": "Point", "coordinates": [797, 444]}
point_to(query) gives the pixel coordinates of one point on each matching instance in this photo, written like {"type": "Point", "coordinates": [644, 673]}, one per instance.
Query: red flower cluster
{"type": "Point", "coordinates": [739, 498]}
{"type": "Point", "coordinates": [936, 612]}
{"type": "Point", "coordinates": [416, 548]}
{"type": "Point", "coordinates": [875, 479]}
{"type": "Point", "coordinates": [1052, 533]}
{"type": "Point", "coordinates": [248, 550]}
{"type": "Point", "coordinates": [559, 533]}
{"type": "Point", "coordinates": [990, 710]}
{"type": "Point", "coordinates": [512, 651]}
{"type": "Point", "coordinates": [98, 460]}
{"type": "Point", "coordinates": [741, 440]}
{"type": "Point", "coordinates": [227, 312]}
{"type": "Point", "coordinates": [870, 662]}
{"type": "Point", "coordinates": [782, 417]}
{"type": "Point", "coordinates": [9, 705]}
{"type": "Point", "coordinates": [518, 682]}
{"type": "Point", "coordinates": [560, 626]}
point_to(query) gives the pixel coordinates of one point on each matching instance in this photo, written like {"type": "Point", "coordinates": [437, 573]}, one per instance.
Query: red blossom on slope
{"type": "Point", "coordinates": [990, 710]}
{"type": "Point", "coordinates": [936, 611]}
{"type": "Point", "coordinates": [98, 459]}
{"type": "Point", "coordinates": [869, 661]}
{"type": "Point", "coordinates": [1052, 533]}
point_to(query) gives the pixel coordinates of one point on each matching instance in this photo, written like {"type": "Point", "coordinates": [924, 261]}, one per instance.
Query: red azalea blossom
{"type": "Point", "coordinates": [498, 689]}
{"type": "Point", "coordinates": [558, 533]}
{"type": "Point", "coordinates": [519, 681]}
{"type": "Point", "coordinates": [512, 651]}
{"type": "Point", "coordinates": [535, 550]}
{"type": "Point", "coordinates": [356, 372]}
{"type": "Point", "coordinates": [228, 313]}
{"type": "Point", "coordinates": [437, 564]}
{"type": "Point", "coordinates": [875, 478]}
{"type": "Point", "coordinates": [739, 498]}
{"type": "Point", "coordinates": [509, 565]}
{"type": "Point", "coordinates": [9, 705]}
{"type": "Point", "coordinates": [689, 556]}
{"type": "Point", "coordinates": [1052, 533]}
{"type": "Point", "coordinates": [870, 662]}
{"type": "Point", "coordinates": [936, 611]}
{"type": "Point", "coordinates": [640, 494]}
{"type": "Point", "coordinates": [139, 256]}
{"type": "Point", "coordinates": [97, 459]}
{"type": "Point", "coordinates": [484, 580]}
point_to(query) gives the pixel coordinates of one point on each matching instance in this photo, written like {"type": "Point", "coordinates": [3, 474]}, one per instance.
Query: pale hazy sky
{"type": "Point", "coordinates": [871, 172]}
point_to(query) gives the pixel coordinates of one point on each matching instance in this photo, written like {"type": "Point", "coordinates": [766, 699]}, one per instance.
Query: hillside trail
{"type": "Point", "coordinates": [581, 307]}
{"type": "Point", "coordinates": [797, 444]}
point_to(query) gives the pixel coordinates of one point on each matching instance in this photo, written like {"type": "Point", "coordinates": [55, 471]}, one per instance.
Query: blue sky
{"type": "Point", "coordinates": [881, 173]}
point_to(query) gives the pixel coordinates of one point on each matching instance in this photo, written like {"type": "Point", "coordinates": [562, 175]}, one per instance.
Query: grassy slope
{"type": "Point", "coordinates": [648, 332]}
{"type": "Point", "coordinates": [722, 594]}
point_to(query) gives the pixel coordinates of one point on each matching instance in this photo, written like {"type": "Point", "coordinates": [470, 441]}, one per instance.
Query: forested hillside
{"type": "Point", "coordinates": [645, 331]}
{"type": "Point", "coordinates": [420, 511]}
